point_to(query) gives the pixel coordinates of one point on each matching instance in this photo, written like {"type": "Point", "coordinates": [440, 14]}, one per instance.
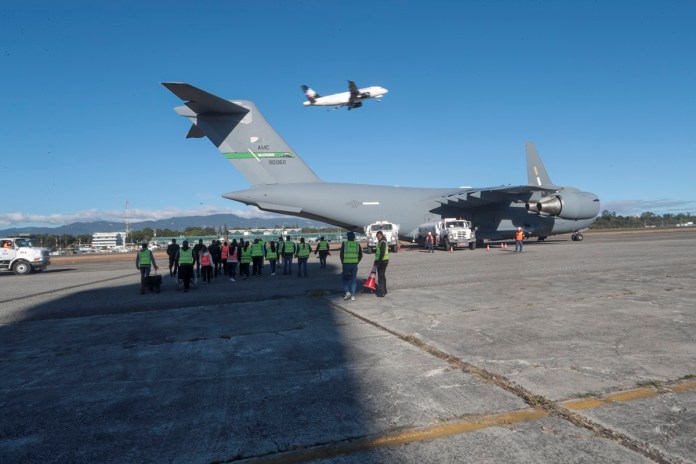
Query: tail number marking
{"type": "Point", "coordinates": [276, 162]}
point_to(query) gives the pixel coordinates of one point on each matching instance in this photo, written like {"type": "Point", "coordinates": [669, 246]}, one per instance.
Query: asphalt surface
{"type": "Point", "coordinates": [567, 352]}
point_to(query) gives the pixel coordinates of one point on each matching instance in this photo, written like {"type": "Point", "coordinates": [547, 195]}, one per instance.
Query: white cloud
{"type": "Point", "coordinates": [18, 219]}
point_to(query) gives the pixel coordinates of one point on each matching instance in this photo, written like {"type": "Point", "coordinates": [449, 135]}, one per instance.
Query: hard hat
{"type": "Point", "coordinates": [429, 233]}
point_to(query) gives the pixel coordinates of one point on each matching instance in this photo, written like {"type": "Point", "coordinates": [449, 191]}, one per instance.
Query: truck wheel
{"type": "Point", "coordinates": [372, 250]}
{"type": "Point", "coordinates": [22, 268]}
{"type": "Point", "coordinates": [446, 244]}
{"type": "Point", "coordinates": [472, 245]}
{"type": "Point", "coordinates": [395, 249]}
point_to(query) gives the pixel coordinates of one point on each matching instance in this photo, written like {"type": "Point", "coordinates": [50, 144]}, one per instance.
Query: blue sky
{"type": "Point", "coordinates": [606, 90]}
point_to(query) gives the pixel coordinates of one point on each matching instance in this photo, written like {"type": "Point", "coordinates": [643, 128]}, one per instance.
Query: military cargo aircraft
{"type": "Point", "coordinates": [281, 182]}
{"type": "Point", "coordinates": [352, 99]}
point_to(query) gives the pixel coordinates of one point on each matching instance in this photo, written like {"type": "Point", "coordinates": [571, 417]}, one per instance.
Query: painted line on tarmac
{"type": "Point", "coordinates": [56, 290]}
{"type": "Point", "coordinates": [551, 407]}
{"type": "Point", "coordinates": [460, 427]}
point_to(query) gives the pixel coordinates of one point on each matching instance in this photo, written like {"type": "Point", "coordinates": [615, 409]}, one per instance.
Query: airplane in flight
{"type": "Point", "coordinates": [352, 99]}
{"type": "Point", "coordinates": [282, 183]}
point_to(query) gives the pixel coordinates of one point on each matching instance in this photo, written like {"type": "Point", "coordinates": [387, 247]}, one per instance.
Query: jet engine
{"type": "Point", "coordinates": [566, 205]}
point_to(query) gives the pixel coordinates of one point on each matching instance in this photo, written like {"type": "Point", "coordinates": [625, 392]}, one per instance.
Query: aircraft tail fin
{"type": "Point", "coordinates": [310, 94]}
{"type": "Point", "coordinates": [536, 172]}
{"type": "Point", "coordinates": [242, 135]}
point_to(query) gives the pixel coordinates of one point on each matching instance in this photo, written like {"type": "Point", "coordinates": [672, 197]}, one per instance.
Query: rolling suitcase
{"type": "Point", "coordinates": [153, 282]}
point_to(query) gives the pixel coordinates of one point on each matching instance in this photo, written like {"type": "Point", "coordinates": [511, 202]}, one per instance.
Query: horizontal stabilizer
{"type": "Point", "coordinates": [202, 102]}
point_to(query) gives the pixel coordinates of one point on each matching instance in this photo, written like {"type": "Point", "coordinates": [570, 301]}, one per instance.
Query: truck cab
{"type": "Point", "coordinates": [390, 231]}
{"type": "Point", "coordinates": [17, 254]}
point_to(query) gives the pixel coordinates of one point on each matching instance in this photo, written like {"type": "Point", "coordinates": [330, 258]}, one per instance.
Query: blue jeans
{"type": "Point", "coordinates": [287, 263]}
{"type": "Point", "coordinates": [350, 278]}
{"type": "Point", "coordinates": [302, 266]}
{"type": "Point", "coordinates": [518, 245]}
{"type": "Point", "coordinates": [144, 271]}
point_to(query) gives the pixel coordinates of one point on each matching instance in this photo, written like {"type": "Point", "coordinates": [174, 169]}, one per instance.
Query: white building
{"type": "Point", "coordinates": [104, 240]}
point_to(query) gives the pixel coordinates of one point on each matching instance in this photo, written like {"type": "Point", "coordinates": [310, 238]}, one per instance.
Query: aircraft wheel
{"type": "Point", "coordinates": [578, 237]}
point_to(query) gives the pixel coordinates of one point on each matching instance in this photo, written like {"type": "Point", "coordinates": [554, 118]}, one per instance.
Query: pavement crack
{"type": "Point", "coordinates": [549, 406]}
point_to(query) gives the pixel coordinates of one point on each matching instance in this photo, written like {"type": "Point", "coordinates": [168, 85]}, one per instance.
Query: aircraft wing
{"type": "Point", "coordinates": [354, 92]}
{"type": "Point", "coordinates": [471, 198]}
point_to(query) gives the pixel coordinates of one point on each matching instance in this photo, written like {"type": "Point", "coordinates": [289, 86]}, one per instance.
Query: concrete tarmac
{"type": "Point", "coordinates": [566, 352]}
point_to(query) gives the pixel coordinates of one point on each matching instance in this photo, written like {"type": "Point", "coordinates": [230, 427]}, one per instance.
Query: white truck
{"type": "Point", "coordinates": [449, 232]}
{"type": "Point", "coordinates": [390, 231]}
{"type": "Point", "coordinates": [21, 257]}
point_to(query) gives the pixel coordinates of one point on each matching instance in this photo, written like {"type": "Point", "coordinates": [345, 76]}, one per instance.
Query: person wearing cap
{"type": "Point", "coordinates": [184, 261]}
{"type": "Point", "coordinates": [351, 254]}
{"type": "Point", "coordinates": [430, 242]}
{"type": "Point", "coordinates": [323, 250]}
{"type": "Point", "coordinates": [381, 262]}
{"type": "Point", "coordinates": [519, 239]}
{"type": "Point", "coordinates": [144, 260]}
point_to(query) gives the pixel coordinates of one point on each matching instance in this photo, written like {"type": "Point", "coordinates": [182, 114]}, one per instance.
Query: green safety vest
{"type": "Point", "coordinates": [350, 252]}
{"type": "Point", "coordinates": [185, 256]}
{"type": "Point", "coordinates": [271, 254]}
{"type": "Point", "coordinates": [378, 257]}
{"type": "Point", "coordinates": [246, 255]}
{"type": "Point", "coordinates": [303, 250]}
{"type": "Point", "coordinates": [323, 245]}
{"type": "Point", "coordinates": [289, 247]}
{"type": "Point", "coordinates": [257, 250]}
{"type": "Point", "coordinates": [144, 258]}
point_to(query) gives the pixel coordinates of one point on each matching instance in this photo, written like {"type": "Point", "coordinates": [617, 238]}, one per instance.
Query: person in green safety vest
{"type": "Point", "coordinates": [351, 254]}
{"type": "Point", "coordinates": [323, 250]}
{"type": "Point", "coordinates": [289, 248]}
{"type": "Point", "coordinates": [381, 261]}
{"type": "Point", "coordinates": [244, 260]}
{"type": "Point", "coordinates": [184, 261]}
{"type": "Point", "coordinates": [144, 260]}
{"type": "Point", "coordinates": [272, 256]}
{"type": "Point", "coordinates": [302, 254]}
{"type": "Point", "coordinates": [258, 251]}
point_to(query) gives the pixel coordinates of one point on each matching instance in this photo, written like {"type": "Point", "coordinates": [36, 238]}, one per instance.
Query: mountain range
{"type": "Point", "coordinates": [175, 223]}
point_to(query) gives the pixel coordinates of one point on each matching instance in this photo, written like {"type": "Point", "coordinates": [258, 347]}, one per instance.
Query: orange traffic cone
{"type": "Point", "coordinates": [370, 282]}
{"type": "Point", "coordinates": [488, 247]}
{"type": "Point", "coordinates": [451, 249]}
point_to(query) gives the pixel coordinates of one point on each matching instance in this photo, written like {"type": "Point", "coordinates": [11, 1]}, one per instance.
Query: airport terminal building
{"type": "Point", "coordinates": [106, 240]}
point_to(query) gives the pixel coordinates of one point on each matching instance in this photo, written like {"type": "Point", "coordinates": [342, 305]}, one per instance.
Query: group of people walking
{"type": "Point", "coordinates": [227, 258]}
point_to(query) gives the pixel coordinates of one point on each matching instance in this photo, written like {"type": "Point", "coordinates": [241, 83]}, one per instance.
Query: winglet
{"type": "Point", "coordinates": [536, 172]}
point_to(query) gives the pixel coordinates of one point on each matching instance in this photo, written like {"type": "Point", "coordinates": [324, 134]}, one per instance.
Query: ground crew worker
{"type": "Point", "coordinates": [224, 253]}
{"type": "Point", "coordinates": [279, 248]}
{"type": "Point", "coordinates": [289, 248]}
{"type": "Point", "coordinates": [323, 250]}
{"type": "Point", "coordinates": [196, 255]}
{"type": "Point", "coordinates": [381, 262]}
{"type": "Point", "coordinates": [257, 254]}
{"type": "Point", "coordinates": [206, 262]}
{"type": "Point", "coordinates": [519, 239]}
{"type": "Point", "coordinates": [144, 260]}
{"type": "Point", "coordinates": [244, 260]}
{"type": "Point", "coordinates": [172, 250]}
{"type": "Point", "coordinates": [232, 259]}
{"type": "Point", "coordinates": [351, 254]}
{"type": "Point", "coordinates": [302, 253]}
{"type": "Point", "coordinates": [430, 243]}
{"type": "Point", "coordinates": [272, 256]}
{"type": "Point", "coordinates": [184, 261]}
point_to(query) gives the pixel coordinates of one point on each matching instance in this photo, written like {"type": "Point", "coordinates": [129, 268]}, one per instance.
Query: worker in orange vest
{"type": "Point", "coordinates": [206, 264]}
{"type": "Point", "coordinates": [519, 239]}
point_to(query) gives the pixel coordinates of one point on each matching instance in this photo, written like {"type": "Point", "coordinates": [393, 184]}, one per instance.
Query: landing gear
{"type": "Point", "coordinates": [576, 237]}
{"type": "Point", "coordinates": [541, 239]}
